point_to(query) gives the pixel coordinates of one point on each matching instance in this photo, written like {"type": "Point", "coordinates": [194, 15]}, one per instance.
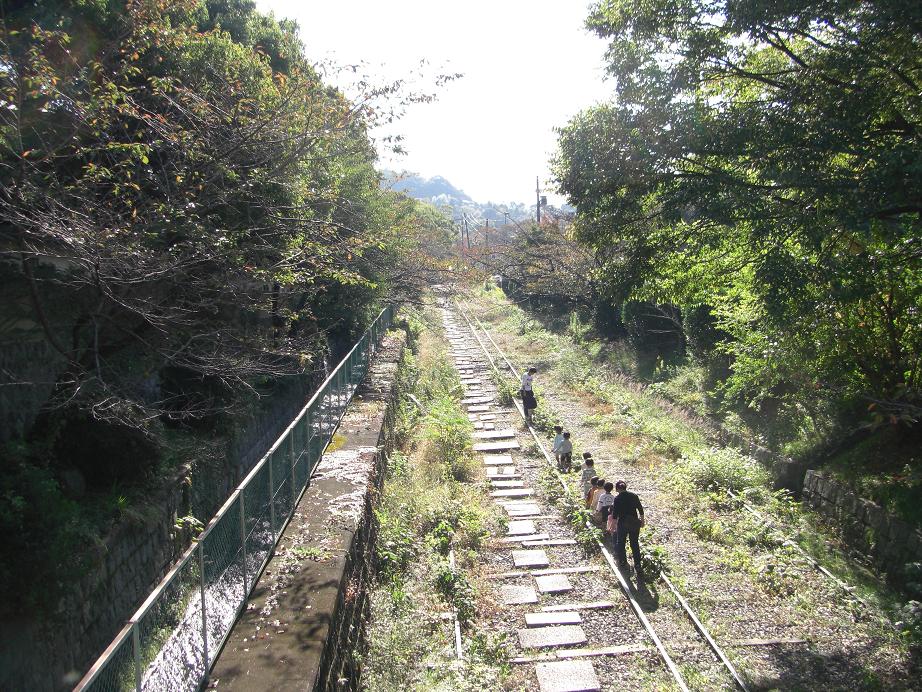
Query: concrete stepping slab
{"type": "Point", "coordinates": [478, 425]}
{"type": "Point", "coordinates": [590, 605]}
{"type": "Point", "coordinates": [501, 472]}
{"type": "Point", "coordinates": [488, 425]}
{"type": "Point", "coordinates": [487, 416]}
{"type": "Point", "coordinates": [478, 408]}
{"type": "Point", "coordinates": [545, 637]}
{"type": "Point", "coordinates": [517, 595]}
{"type": "Point", "coordinates": [519, 528]}
{"type": "Point", "coordinates": [523, 511]}
{"type": "Point", "coordinates": [520, 539]}
{"type": "Point", "coordinates": [530, 558]}
{"type": "Point", "coordinates": [495, 434]}
{"type": "Point", "coordinates": [567, 676]}
{"type": "Point", "coordinates": [496, 459]}
{"type": "Point", "coordinates": [503, 446]}
{"type": "Point", "coordinates": [476, 400]}
{"type": "Point", "coordinates": [513, 492]}
{"type": "Point", "coordinates": [567, 617]}
{"type": "Point", "coordinates": [550, 542]}
{"type": "Point", "coordinates": [506, 483]}
{"type": "Point", "coordinates": [553, 583]}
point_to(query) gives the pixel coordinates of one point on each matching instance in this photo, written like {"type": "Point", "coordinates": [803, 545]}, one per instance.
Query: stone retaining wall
{"type": "Point", "coordinates": [888, 542]}
{"type": "Point", "coordinates": [52, 654]}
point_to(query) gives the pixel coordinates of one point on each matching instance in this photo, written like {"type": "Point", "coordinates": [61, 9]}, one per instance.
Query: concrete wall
{"type": "Point", "coordinates": [888, 542]}
{"type": "Point", "coordinates": [303, 624]}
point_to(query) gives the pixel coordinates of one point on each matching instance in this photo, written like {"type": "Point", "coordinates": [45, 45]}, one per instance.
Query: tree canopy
{"type": "Point", "coordinates": [189, 215]}
{"type": "Point", "coordinates": [182, 175]}
{"type": "Point", "coordinates": [764, 159]}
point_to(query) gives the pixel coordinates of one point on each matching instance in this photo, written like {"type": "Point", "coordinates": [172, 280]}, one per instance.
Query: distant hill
{"type": "Point", "coordinates": [439, 192]}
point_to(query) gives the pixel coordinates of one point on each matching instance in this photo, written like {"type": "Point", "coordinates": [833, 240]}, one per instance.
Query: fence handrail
{"type": "Point", "coordinates": [275, 445]}
{"type": "Point", "coordinates": [325, 390]}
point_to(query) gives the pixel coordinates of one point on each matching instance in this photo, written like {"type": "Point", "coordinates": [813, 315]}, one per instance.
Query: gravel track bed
{"type": "Point", "coordinates": [611, 627]}
{"type": "Point", "coordinates": [843, 649]}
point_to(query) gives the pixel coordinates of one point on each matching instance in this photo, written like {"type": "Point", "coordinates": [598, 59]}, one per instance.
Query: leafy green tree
{"type": "Point", "coordinates": [183, 175]}
{"type": "Point", "coordinates": [188, 215]}
{"type": "Point", "coordinates": [764, 158]}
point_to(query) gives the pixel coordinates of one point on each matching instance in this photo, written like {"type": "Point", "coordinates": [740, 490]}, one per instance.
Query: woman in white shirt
{"type": "Point", "coordinates": [529, 403]}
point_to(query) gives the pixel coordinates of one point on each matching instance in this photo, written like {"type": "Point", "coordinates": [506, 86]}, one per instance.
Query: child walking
{"type": "Point", "coordinates": [596, 494]}
{"type": "Point", "coordinates": [604, 505]}
{"type": "Point", "coordinates": [558, 438]}
{"type": "Point", "coordinates": [529, 402]}
{"type": "Point", "coordinates": [588, 470]}
{"type": "Point", "coordinates": [590, 490]}
{"type": "Point", "coordinates": [565, 458]}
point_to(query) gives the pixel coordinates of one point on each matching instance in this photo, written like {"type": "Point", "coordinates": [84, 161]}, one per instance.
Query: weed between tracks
{"type": "Point", "coordinates": [570, 506]}
{"type": "Point", "coordinates": [426, 509]}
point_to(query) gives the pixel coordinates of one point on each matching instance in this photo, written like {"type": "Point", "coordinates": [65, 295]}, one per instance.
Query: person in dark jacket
{"type": "Point", "coordinates": [529, 401]}
{"type": "Point", "coordinates": [628, 513]}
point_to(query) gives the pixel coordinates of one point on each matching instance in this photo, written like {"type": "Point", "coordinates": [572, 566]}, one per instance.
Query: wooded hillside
{"type": "Point", "coordinates": [753, 196]}
{"type": "Point", "coordinates": [188, 216]}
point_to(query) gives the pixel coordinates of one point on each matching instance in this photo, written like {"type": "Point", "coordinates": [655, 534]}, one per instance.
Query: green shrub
{"type": "Point", "coordinates": [577, 329]}
{"type": "Point", "coordinates": [653, 560]}
{"type": "Point", "coordinates": [396, 543]}
{"type": "Point", "coordinates": [448, 432]}
{"type": "Point", "coordinates": [457, 591]}
{"type": "Point", "coordinates": [574, 368]}
{"type": "Point", "coordinates": [724, 469]}
{"type": "Point", "coordinates": [708, 528]}
{"type": "Point", "coordinates": [506, 389]}
{"type": "Point", "coordinates": [701, 332]}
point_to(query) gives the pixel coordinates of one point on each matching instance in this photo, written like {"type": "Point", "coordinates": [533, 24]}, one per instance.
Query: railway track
{"type": "Point", "coordinates": [556, 603]}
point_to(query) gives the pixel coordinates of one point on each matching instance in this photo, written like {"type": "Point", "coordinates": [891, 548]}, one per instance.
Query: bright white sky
{"type": "Point", "coordinates": [528, 67]}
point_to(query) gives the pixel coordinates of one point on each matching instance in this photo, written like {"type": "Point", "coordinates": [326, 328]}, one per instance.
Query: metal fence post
{"type": "Point", "coordinates": [291, 461]}
{"type": "Point", "coordinates": [309, 437]}
{"type": "Point", "coordinates": [243, 542]}
{"type": "Point", "coordinates": [136, 644]}
{"type": "Point", "coordinates": [271, 460]}
{"type": "Point", "coordinates": [339, 392]}
{"type": "Point", "coordinates": [201, 569]}
{"type": "Point", "coordinates": [329, 397]}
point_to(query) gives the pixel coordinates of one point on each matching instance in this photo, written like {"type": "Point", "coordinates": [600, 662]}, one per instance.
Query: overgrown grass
{"type": "Point", "coordinates": [427, 510]}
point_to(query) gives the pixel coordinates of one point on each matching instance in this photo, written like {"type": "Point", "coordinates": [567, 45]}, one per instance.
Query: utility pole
{"type": "Point", "coordinates": [538, 200]}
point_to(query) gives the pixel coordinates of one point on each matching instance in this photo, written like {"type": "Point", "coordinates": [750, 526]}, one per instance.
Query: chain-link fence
{"type": "Point", "coordinates": [174, 637]}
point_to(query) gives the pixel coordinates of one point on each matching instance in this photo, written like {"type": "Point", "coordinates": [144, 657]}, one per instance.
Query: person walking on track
{"type": "Point", "coordinates": [627, 511]}
{"type": "Point", "coordinates": [529, 402]}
